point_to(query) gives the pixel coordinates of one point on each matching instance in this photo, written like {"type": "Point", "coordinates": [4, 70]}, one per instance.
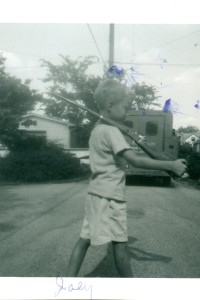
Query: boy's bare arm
{"type": "Point", "coordinates": [177, 167]}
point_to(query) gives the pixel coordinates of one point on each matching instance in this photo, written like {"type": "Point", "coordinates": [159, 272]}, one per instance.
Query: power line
{"type": "Point", "coordinates": [98, 49]}
{"type": "Point", "coordinates": [157, 64]}
{"type": "Point", "coordinates": [180, 54]}
{"type": "Point", "coordinates": [178, 39]}
{"type": "Point", "coordinates": [120, 63]}
{"type": "Point", "coordinates": [171, 42]}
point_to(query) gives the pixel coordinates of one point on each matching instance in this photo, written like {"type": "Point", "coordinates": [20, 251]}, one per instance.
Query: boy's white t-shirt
{"type": "Point", "coordinates": [108, 169]}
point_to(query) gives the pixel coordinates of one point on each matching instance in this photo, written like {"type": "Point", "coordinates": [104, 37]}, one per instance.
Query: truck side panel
{"type": "Point", "coordinates": [156, 127]}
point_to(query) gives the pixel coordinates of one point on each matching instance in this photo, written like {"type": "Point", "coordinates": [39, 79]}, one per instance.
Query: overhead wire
{"type": "Point", "coordinates": [35, 55]}
{"type": "Point", "coordinates": [95, 42]}
{"type": "Point", "coordinates": [118, 62]}
{"type": "Point", "coordinates": [99, 51]}
{"type": "Point", "coordinates": [178, 39]}
{"type": "Point", "coordinates": [171, 42]}
{"type": "Point", "coordinates": [157, 64]}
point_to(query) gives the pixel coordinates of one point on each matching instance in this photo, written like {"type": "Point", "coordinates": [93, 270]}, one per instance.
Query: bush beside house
{"type": "Point", "coordinates": [186, 151]}
{"type": "Point", "coordinates": [193, 165]}
{"type": "Point", "coordinates": [34, 159]}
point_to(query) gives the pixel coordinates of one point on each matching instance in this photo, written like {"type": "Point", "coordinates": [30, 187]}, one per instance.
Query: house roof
{"type": "Point", "coordinates": [185, 136]}
{"type": "Point", "coordinates": [197, 141]}
{"type": "Point", "coordinates": [47, 118]}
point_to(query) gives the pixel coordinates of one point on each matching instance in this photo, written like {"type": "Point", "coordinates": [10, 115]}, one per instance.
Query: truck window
{"type": "Point", "coordinates": [151, 128]}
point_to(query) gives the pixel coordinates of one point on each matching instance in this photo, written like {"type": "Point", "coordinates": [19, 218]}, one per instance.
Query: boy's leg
{"type": "Point", "coordinates": [77, 257]}
{"type": "Point", "coordinates": [122, 259]}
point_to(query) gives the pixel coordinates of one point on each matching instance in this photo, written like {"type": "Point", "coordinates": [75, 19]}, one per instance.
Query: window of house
{"type": "Point", "coordinates": [151, 128]}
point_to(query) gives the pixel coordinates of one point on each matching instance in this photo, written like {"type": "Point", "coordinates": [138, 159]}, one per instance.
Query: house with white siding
{"type": "Point", "coordinates": [54, 130]}
{"type": "Point", "coordinates": [58, 131]}
{"type": "Point", "coordinates": [189, 137]}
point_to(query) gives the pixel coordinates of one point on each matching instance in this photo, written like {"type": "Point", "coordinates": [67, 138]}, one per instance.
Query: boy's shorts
{"type": "Point", "coordinates": [105, 220]}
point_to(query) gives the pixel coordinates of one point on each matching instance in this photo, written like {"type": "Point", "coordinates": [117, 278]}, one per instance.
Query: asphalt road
{"type": "Point", "coordinates": [40, 223]}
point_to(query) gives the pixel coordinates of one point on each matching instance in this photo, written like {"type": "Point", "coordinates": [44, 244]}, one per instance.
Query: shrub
{"type": "Point", "coordinates": [194, 165]}
{"type": "Point", "coordinates": [185, 150]}
{"type": "Point", "coordinates": [39, 161]}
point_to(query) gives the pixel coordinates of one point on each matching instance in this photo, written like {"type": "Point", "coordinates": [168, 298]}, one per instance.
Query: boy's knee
{"type": "Point", "coordinates": [120, 244]}
{"type": "Point", "coordinates": [123, 246]}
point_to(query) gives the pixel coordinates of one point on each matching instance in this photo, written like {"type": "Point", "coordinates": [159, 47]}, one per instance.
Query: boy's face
{"type": "Point", "coordinates": [118, 111]}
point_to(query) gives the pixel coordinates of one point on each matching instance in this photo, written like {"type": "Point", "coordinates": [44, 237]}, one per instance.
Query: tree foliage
{"type": "Point", "coordinates": [16, 99]}
{"type": "Point", "coordinates": [186, 151]}
{"type": "Point", "coordinates": [144, 97]}
{"type": "Point", "coordinates": [193, 165]}
{"type": "Point", "coordinates": [72, 80]}
{"type": "Point", "coordinates": [35, 159]}
{"type": "Point", "coordinates": [188, 129]}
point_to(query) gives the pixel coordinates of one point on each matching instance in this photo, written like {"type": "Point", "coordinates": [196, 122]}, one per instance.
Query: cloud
{"type": "Point", "coordinates": [191, 76]}
{"type": "Point", "coordinates": [151, 56]}
{"type": "Point", "coordinates": [24, 69]}
{"type": "Point", "coordinates": [124, 50]}
{"type": "Point", "coordinates": [12, 60]}
{"type": "Point", "coordinates": [185, 120]}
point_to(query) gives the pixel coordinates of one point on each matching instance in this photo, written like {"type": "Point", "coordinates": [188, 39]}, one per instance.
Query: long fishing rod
{"type": "Point", "coordinates": [138, 139]}
{"type": "Point", "coordinates": [153, 152]}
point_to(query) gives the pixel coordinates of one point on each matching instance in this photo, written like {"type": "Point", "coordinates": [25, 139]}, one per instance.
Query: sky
{"type": "Point", "coordinates": [166, 56]}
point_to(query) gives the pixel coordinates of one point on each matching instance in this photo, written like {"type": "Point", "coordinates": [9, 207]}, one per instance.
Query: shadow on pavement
{"type": "Point", "coordinates": [106, 268]}
{"type": "Point", "coordinates": [141, 255]}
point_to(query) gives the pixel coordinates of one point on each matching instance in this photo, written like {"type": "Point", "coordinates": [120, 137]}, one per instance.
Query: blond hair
{"type": "Point", "coordinates": [109, 90]}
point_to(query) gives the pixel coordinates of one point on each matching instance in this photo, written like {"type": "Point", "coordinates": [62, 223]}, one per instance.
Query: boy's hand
{"type": "Point", "coordinates": [179, 167]}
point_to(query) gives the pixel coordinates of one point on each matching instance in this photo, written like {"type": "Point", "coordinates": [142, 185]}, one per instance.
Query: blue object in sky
{"type": "Point", "coordinates": [171, 106]}
{"type": "Point", "coordinates": [167, 105]}
{"type": "Point", "coordinates": [116, 71]}
{"type": "Point", "coordinates": [197, 105]}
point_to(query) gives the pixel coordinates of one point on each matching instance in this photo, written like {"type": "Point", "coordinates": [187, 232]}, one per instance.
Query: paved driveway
{"type": "Point", "coordinates": [40, 223]}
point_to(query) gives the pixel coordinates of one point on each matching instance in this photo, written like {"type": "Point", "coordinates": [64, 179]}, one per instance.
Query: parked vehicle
{"type": "Point", "coordinates": [157, 127]}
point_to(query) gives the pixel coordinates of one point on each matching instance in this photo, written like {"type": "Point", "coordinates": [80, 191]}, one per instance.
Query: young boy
{"type": "Point", "coordinates": [105, 210]}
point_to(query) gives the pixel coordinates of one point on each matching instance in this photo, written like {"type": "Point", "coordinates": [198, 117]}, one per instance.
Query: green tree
{"type": "Point", "coordinates": [72, 80]}
{"type": "Point", "coordinates": [144, 97]}
{"type": "Point", "coordinates": [16, 99]}
{"type": "Point", "coordinates": [188, 129]}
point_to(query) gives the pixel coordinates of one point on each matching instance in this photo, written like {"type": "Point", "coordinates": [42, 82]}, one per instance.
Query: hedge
{"type": "Point", "coordinates": [40, 161]}
{"type": "Point", "coordinates": [193, 165]}
{"type": "Point", "coordinates": [187, 152]}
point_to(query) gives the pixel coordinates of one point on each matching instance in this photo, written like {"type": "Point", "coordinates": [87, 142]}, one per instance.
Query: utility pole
{"type": "Point", "coordinates": [111, 46]}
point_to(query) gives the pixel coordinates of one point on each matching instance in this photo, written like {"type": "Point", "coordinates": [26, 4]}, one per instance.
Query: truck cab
{"type": "Point", "coordinates": [156, 127]}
